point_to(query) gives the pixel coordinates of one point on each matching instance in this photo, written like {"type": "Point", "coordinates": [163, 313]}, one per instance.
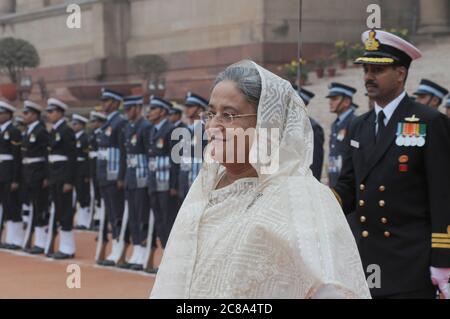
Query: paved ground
{"type": "Point", "coordinates": [25, 276]}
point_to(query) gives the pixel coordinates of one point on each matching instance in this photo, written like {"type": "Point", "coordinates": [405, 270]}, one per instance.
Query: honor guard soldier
{"type": "Point", "coordinates": [447, 107]}
{"type": "Point", "coordinates": [175, 116]}
{"type": "Point", "coordinates": [97, 120]}
{"type": "Point", "coordinates": [341, 103]}
{"type": "Point", "coordinates": [191, 163]}
{"type": "Point", "coordinates": [162, 170]}
{"type": "Point", "coordinates": [396, 176]}
{"type": "Point", "coordinates": [82, 182]}
{"type": "Point", "coordinates": [134, 173]}
{"type": "Point", "coordinates": [430, 93]}
{"type": "Point", "coordinates": [319, 137]}
{"type": "Point", "coordinates": [35, 145]}
{"type": "Point", "coordinates": [10, 169]}
{"type": "Point", "coordinates": [62, 175]}
{"type": "Point", "coordinates": [108, 162]}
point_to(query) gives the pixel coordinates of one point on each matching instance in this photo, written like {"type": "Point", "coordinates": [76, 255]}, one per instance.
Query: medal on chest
{"type": "Point", "coordinates": [57, 137]}
{"type": "Point", "coordinates": [341, 134]}
{"type": "Point", "coordinates": [108, 131]}
{"type": "Point", "coordinates": [411, 134]}
{"type": "Point", "coordinates": [78, 144]}
{"type": "Point", "coordinates": [6, 136]}
{"type": "Point", "coordinates": [160, 143]}
{"type": "Point", "coordinates": [134, 140]}
{"type": "Point", "coordinates": [32, 138]}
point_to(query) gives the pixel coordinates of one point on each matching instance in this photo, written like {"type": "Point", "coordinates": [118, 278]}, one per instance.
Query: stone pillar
{"type": "Point", "coordinates": [434, 17]}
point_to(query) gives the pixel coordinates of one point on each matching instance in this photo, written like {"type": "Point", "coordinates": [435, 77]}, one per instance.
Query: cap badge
{"type": "Point", "coordinates": [372, 44]}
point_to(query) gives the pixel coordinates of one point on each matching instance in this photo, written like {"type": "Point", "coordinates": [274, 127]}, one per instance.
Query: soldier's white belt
{"type": "Point", "coordinates": [80, 159]}
{"type": "Point", "coordinates": [102, 154]}
{"type": "Point", "coordinates": [132, 162]}
{"type": "Point", "coordinates": [6, 157]}
{"type": "Point", "coordinates": [32, 160]}
{"type": "Point", "coordinates": [93, 155]}
{"type": "Point", "coordinates": [57, 158]}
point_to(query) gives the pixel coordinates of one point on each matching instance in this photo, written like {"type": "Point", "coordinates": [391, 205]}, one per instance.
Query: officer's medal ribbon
{"type": "Point", "coordinates": [32, 138]}
{"type": "Point", "coordinates": [134, 140]}
{"type": "Point", "coordinates": [6, 136]}
{"type": "Point", "coordinates": [160, 143]}
{"type": "Point", "coordinates": [410, 133]}
{"type": "Point", "coordinates": [341, 135]}
{"type": "Point", "coordinates": [57, 137]}
{"type": "Point", "coordinates": [78, 144]}
{"type": "Point", "coordinates": [108, 131]}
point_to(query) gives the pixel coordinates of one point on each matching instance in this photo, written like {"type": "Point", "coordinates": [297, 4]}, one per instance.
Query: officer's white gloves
{"type": "Point", "coordinates": [440, 277]}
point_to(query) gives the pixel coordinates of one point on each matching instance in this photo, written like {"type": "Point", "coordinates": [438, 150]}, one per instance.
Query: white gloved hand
{"type": "Point", "coordinates": [440, 277]}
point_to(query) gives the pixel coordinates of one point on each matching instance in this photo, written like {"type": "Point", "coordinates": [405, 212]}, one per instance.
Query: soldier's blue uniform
{"type": "Point", "coordinates": [134, 173]}
{"type": "Point", "coordinates": [108, 161]}
{"type": "Point", "coordinates": [339, 130]}
{"type": "Point", "coordinates": [162, 170]}
{"type": "Point", "coordinates": [191, 163]}
{"type": "Point", "coordinates": [319, 137]}
{"type": "Point", "coordinates": [431, 89]}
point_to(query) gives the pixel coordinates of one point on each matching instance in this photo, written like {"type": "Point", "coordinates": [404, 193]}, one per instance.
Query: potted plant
{"type": "Point", "coordinates": [151, 67]}
{"type": "Point", "coordinates": [341, 49]}
{"type": "Point", "coordinates": [355, 51]}
{"type": "Point", "coordinates": [320, 67]}
{"type": "Point", "coordinates": [16, 55]}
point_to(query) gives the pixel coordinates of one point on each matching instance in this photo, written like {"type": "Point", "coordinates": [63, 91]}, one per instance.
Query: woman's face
{"type": "Point", "coordinates": [230, 137]}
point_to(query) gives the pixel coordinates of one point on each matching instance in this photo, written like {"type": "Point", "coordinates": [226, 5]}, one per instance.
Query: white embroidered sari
{"type": "Point", "coordinates": [280, 235]}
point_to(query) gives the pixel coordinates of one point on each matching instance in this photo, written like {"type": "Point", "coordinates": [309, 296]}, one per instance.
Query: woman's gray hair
{"type": "Point", "coordinates": [247, 80]}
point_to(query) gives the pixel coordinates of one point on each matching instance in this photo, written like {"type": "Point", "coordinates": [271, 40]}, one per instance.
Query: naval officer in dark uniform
{"type": "Point", "coordinates": [10, 167]}
{"type": "Point", "coordinates": [82, 183]}
{"type": "Point", "coordinates": [396, 176]}
{"type": "Point", "coordinates": [62, 174]}
{"type": "Point", "coordinates": [35, 144]}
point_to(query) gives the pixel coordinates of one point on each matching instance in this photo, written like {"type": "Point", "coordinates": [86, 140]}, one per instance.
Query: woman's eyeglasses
{"type": "Point", "coordinates": [226, 118]}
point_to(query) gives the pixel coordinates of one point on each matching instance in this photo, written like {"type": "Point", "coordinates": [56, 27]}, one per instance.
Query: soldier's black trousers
{"type": "Point", "coordinates": [38, 197]}
{"type": "Point", "coordinates": [159, 202]}
{"type": "Point", "coordinates": [83, 191]}
{"type": "Point", "coordinates": [64, 207]}
{"type": "Point", "coordinates": [10, 202]}
{"type": "Point", "coordinates": [138, 207]}
{"type": "Point", "coordinates": [114, 205]}
{"type": "Point", "coordinates": [97, 195]}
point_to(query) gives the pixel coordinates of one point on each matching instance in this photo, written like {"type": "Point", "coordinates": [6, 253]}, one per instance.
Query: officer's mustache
{"type": "Point", "coordinates": [371, 83]}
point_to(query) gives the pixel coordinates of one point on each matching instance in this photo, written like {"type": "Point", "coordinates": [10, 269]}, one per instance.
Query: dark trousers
{"type": "Point", "coordinates": [83, 191]}
{"type": "Point", "coordinates": [64, 207]}
{"type": "Point", "coordinates": [97, 195]}
{"type": "Point", "coordinates": [138, 208]}
{"type": "Point", "coordinates": [159, 202]}
{"type": "Point", "coordinates": [10, 202]}
{"type": "Point", "coordinates": [114, 205]}
{"type": "Point", "coordinates": [39, 200]}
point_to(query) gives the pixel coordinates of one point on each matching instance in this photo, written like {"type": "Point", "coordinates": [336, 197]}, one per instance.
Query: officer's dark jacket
{"type": "Point", "coordinates": [401, 195]}
{"type": "Point", "coordinates": [10, 141]}
{"type": "Point", "coordinates": [163, 171]}
{"type": "Point", "coordinates": [82, 155]}
{"type": "Point", "coordinates": [108, 156]}
{"type": "Point", "coordinates": [62, 143]}
{"type": "Point", "coordinates": [319, 140]}
{"type": "Point", "coordinates": [35, 145]}
{"type": "Point", "coordinates": [133, 155]}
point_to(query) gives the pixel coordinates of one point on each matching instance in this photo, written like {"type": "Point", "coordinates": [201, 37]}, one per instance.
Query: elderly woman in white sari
{"type": "Point", "coordinates": [259, 226]}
